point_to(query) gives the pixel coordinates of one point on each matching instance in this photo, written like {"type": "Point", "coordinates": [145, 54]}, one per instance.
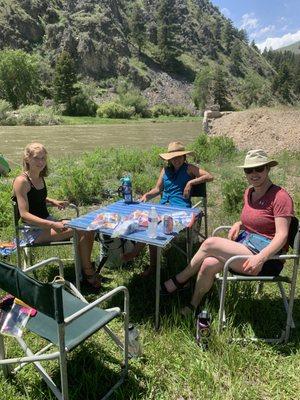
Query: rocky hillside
{"type": "Point", "coordinates": [110, 39]}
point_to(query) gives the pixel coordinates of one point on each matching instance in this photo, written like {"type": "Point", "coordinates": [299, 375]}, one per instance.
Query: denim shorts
{"type": "Point", "coordinates": [255, 243]}
{"type": "Point", "coordinates": [30, 235]}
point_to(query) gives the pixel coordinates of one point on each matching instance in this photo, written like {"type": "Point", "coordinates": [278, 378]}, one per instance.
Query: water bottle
{"type": "Point", "coordinates": [127, 189]}
{"type": "Point", "coordinates": [134, 346]}
{"type": "Point", "coordinates": [203, 328]}
{"type": "Point", "coordinates": [152, 223]}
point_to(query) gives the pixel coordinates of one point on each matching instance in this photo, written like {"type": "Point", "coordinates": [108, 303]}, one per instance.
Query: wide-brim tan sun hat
{"type": "Point", "coordinates": [175, 149]}
{"type": "Point", "coordinates": [257, 158]}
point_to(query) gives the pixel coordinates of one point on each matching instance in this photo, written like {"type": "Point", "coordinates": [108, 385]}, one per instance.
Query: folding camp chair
{"type": "Point", "coordinates": [64, 318]}
{"type": "Point", "coordinates": [200, 191]}
{"type": "Point", "coordinates": [288, 301]}
{"type": "Point", "coordinates": [26, 249]}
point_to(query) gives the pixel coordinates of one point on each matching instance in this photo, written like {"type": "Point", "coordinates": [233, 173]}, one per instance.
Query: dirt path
{"type": "Point", "coordinates": [269, 129]}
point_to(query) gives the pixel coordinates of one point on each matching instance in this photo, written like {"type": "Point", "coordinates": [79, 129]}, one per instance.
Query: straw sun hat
{"type": "Point", "coordinates": [175, 149]}
{"type": "Point", "coordinates": [257, 158]}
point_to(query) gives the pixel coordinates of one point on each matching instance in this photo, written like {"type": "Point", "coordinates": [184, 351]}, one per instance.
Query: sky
{"type": "Point", "coordinates": [270, 23]}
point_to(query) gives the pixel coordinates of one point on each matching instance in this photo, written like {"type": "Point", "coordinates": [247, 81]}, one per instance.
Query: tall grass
{"type": "Point", "coordinates": [172, 367]}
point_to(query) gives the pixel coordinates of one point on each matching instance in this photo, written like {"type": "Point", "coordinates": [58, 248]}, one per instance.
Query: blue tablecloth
{"type": "Point", "coordinates": [124, 209]}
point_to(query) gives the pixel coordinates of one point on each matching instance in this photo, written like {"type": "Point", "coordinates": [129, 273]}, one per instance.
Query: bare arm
{"type": "Point", "coordinates": [158, 188]}
{"type": "Point", "coordinates": [21, 187]}
{"type": "Point", "coordinates": [61, 204]}
{"type": "Point", "coordinates": [199, 176]}
{"type": "Point", "coordinates": [255, 263]}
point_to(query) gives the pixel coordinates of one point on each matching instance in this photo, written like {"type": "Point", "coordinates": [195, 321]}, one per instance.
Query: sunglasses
{"type": "Point", "coordinates": [256, 169]}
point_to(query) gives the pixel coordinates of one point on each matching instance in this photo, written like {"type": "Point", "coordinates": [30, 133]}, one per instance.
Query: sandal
{"type": "Point", "coordinates": [189, 309]}
{"type": "Point", "coordinates": [178, 286]}
{"type": "Point", "coordinates": [92, 281]}
{"type": "Point", "coordinates": [150, 270]}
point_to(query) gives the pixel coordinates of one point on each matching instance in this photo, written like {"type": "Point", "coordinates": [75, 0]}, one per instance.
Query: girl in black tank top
{"type": "Point", "coordinates": [37, 199]}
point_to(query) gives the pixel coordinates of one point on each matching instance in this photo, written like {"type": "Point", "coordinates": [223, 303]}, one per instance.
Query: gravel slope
{"type": "Point", "coordinates": [269, 129]}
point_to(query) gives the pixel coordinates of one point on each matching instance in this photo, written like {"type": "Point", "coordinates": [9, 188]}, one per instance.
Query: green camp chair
{"type": "Point", "coordinates": [26, 250]}
{"type": "Point", "coordinates": [64, 318]}
{"type": "Point", "coordinates": [288, 301]}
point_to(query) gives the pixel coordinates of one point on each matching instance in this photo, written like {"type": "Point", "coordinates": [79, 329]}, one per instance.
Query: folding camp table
{"type": "Point", "coordinates": [161, 241]}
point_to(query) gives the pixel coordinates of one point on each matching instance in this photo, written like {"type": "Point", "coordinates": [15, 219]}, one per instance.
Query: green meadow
{"type": "Point", "coordinates": [172, 365]}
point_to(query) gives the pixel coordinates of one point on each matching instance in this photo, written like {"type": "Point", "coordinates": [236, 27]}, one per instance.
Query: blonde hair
{"type": "Point", "coordinates": [29, 151]}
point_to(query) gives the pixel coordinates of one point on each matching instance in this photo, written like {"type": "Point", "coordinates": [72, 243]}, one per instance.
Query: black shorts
{"type": "Point", "coordinates": [270, 268]}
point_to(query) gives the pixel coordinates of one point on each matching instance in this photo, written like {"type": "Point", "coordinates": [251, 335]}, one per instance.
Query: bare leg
{"type": "Point", "coordinates": [138, 247]}
{"type": "Point", "coordinates": [205, 279]}
{"type": "Point", "coordinates": [86, 240]}
{"type": "Point", "coordinates": [219, 248]}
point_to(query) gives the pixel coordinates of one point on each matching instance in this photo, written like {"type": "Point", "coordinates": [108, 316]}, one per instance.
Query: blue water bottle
{"type": "Point", "coordinates": [127, 189]}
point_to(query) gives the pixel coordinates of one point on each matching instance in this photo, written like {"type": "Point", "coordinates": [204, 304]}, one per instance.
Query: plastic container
{"type": "Point", "coordinates": [127, 189]}
{"type": "Point", "coordinates": [152, 223]}
{"type": "Point", "coordinates": [203, 328]}
{"type": "Point", "coordinates": [134, 346]}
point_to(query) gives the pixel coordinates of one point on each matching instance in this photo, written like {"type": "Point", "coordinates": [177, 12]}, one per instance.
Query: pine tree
{"type": "Point", "coordinates": [65, 78]}
{"type": "Point", "coordinates": [138, 26]}
{"type": "Point", "coordinates": [167, 33]}
{"type": "Point", "coordinates": [219, 89]}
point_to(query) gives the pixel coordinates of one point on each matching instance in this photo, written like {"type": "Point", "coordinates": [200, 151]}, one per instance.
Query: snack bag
{"type": "Point", "coordinates": [104, 220]}
{"type": "Point", "coordinates": [181, 220]}
{"type": "Point", "coordinates": [140, 216]}
{"type": "Point", "coordinates": [125, 228]}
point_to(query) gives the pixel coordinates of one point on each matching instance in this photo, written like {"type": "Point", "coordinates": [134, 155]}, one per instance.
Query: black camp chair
{"type": "Point", "coordinates": [199, 191]}
{"type": "Point", "coordinates": [64, 318]}
{"type": "Point", "coordinates": [288, 301]}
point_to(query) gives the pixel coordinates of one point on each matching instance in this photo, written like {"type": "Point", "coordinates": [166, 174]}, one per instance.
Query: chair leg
{"type": "Point", "coordinates": [63, 364]}
{"type": "Point", "coordinates": [259, 288]}
{"type": "Point", "coordinates": [27, 258]}
{"type": "Point", "coordinates": [5, 368]}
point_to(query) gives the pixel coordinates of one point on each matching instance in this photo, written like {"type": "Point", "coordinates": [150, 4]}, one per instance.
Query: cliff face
{"type": "Point", "coordinates": [98, 35]}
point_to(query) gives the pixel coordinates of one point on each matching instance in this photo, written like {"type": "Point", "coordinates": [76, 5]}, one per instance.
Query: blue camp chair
{"type": "Point", "coordinates": [64, 318]}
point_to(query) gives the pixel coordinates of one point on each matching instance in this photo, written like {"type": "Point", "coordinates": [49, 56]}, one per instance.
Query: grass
{"type": "Point", "coordinates": [172, 366]}
{"type": "Point", "coordinates": [66, 120]}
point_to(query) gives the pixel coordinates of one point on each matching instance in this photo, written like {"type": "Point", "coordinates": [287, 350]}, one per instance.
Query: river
{"type": "Point", "coordinates": [74, 139]}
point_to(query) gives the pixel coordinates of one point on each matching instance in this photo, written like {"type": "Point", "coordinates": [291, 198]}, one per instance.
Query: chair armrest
{"type": "Point", "coordinates": [52, 260]}
{"type": "Point", "coordinates": [70, 205]}
{"type": "Point", "coordinates": [221, 228]}
{"type": "Point", "coordinates": [100, 300]}
{"type": "Point", "coordinates": [245, 257]}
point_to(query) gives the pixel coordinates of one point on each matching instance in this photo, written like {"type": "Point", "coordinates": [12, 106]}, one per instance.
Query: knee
{"type": "Point", "coordinates": [208, 267]}
{"type": "Point", "coordinates": [209, 244]}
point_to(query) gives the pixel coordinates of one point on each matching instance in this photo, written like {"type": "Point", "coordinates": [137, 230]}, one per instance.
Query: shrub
{"type": "Point", "coordinates": [33, 115]}
{"type": "Point", "coordinates": [5, 204]}
{"type": "Point", "coordinates": [179, 111]}
{"type": "Point", "coordinates": [131, 97]}
{"type": "Point", "coordinates": [5, 106]}
{"type": "Point", "coordinates": [232, 193]}
{"type": "Point", "coordinates": [209, 149]}
{"type": "Point", "coordinates": [160, 109]}
{"type": "Point", "coordinates": [113, 109]}
{"type": "Point", "coordinates": [80, 105]}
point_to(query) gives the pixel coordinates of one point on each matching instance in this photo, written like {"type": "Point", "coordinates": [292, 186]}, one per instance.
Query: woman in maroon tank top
{"type": "Point", "coordinates": [265, 219]}
{"type": "Point", "coordinates": [30, 192]}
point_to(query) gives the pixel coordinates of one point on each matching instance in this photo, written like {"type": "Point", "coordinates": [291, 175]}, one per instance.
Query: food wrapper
{"type": "Point", "coordinates": [125, 228]}
{"type": "Point", "coordinates": [141, 217]}
{"type": "Point", "coordinates": [104, 220]}
{"type": "Point", "coordinates": [181, 220]}
{"type": "Point", "coordinates": [14, 321]}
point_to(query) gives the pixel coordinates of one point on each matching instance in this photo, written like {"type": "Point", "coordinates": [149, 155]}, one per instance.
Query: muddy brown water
{"type": "Point", "coordinates": [66, 139]}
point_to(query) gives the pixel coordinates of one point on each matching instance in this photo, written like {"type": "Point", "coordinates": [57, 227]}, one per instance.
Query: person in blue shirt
{"type": "Point", "coordinates": [174, 184]}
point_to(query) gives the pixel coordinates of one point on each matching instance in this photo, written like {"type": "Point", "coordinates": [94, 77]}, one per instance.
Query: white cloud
{"type": "Point", "coordinates": [226, 12]}
{"type": "Point", "coordinates": [277, 42]}
{"type": "Point", "coordinates": [249, 21]}
{"type": "Point", "coordinates": [262, 31]}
